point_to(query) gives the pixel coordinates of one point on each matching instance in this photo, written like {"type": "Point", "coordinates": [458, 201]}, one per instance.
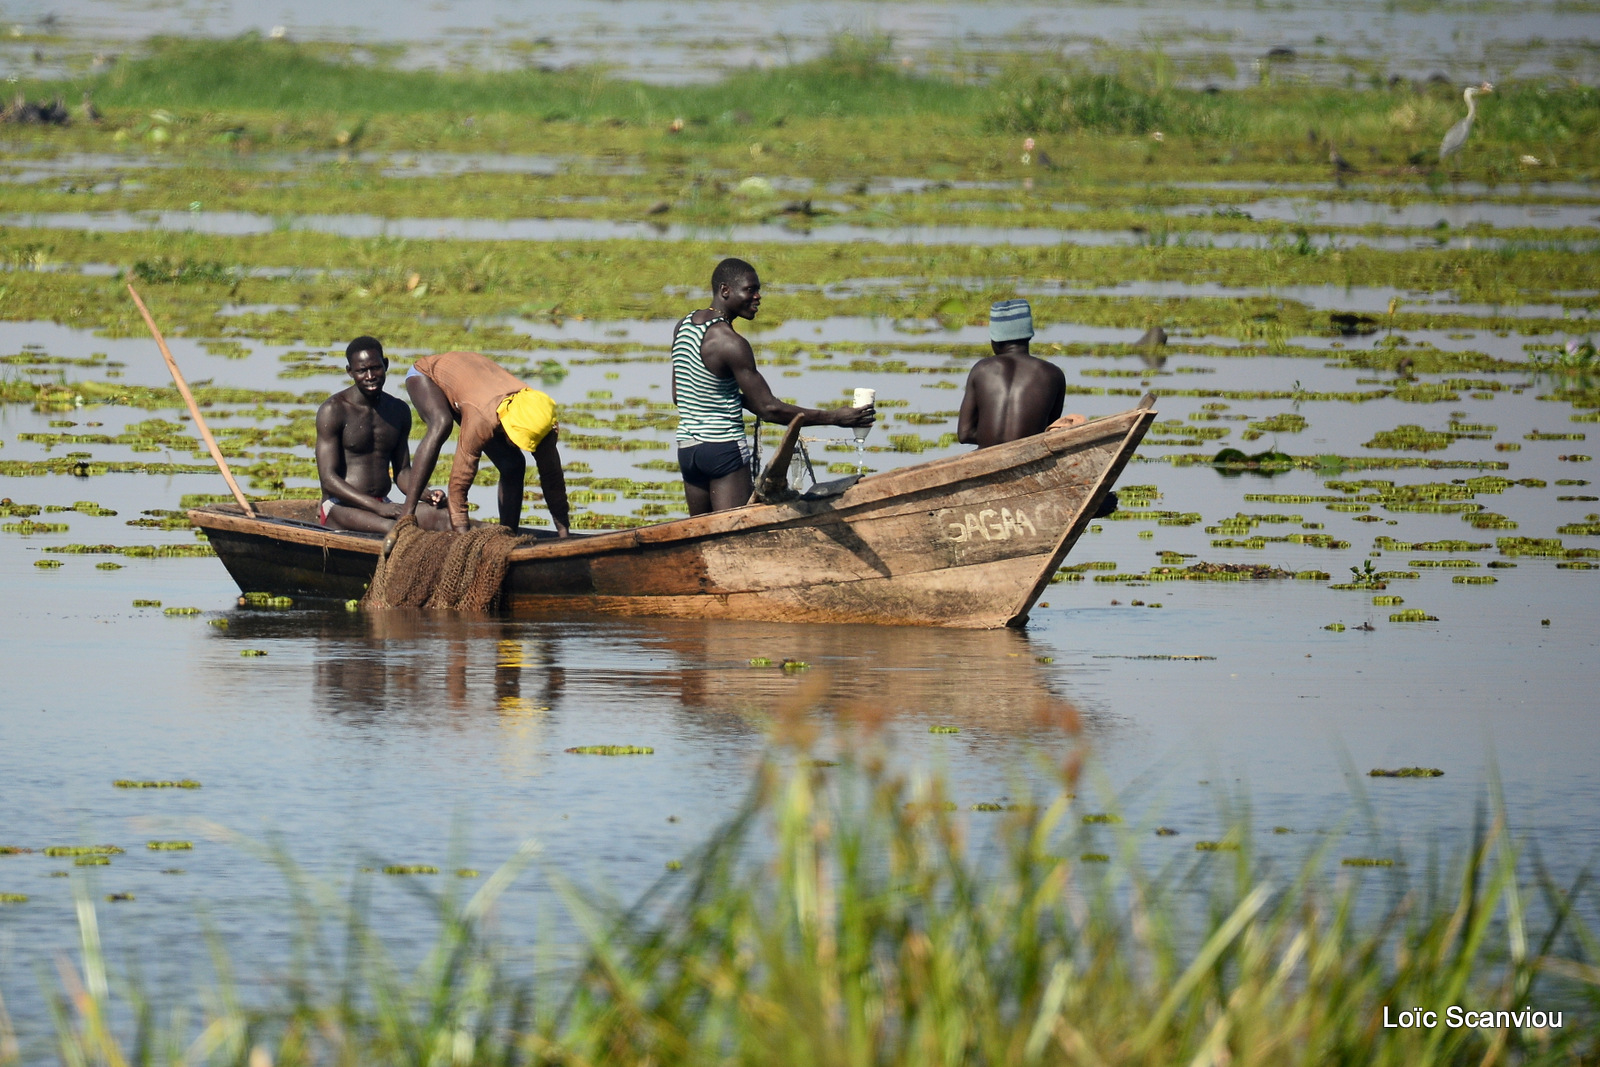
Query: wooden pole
{"type": "Point", "coordinates": [194, 409]}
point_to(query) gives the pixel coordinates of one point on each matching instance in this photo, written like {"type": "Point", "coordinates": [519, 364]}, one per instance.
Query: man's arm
{"type": "Point", "coordinates": [726, 355]}
{"type": "Point", "coordinates": [553, 482]}
{"type": "Point", "coordinates": [331, 468]}
{"type": "Point", "coordinates": [464, 468]}
{"type": "Point", "coordinates": [967, 423]}
{"type": "Point", "coordinates": [400, 458]}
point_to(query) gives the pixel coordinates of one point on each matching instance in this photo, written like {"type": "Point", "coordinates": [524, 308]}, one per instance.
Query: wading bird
{"type": "Point", "coordinates": [1458, 133]}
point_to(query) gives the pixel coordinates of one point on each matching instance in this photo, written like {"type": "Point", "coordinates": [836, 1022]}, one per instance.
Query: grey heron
{"type": "Point", "coordinates": [1458, 133]}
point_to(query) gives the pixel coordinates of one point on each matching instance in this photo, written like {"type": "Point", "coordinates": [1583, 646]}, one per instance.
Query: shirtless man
{"type": "Point", "coordinates": [714, 379]}
{"type": "Point", "coordinates": [501, 418]}
{"type": "Point", "coordinates": [363, 434]}
{"type": "Point", "coordinates": [1012, 393]}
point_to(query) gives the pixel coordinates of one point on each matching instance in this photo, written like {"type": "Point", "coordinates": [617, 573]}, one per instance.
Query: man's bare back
{"type": "Point", "coordinates": [1010, 395]}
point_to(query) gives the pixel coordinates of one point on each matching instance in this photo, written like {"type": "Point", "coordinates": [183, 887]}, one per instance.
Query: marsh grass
{"type": "Point", "coordinates": [845, 916]}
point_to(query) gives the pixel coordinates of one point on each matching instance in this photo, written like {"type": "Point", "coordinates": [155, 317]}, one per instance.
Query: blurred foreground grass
{"type": "Point", "coordinates": [843, 916]}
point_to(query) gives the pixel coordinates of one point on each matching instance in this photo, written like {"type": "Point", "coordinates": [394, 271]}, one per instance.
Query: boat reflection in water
{"type": "Point", "coordinates": [436, 669]}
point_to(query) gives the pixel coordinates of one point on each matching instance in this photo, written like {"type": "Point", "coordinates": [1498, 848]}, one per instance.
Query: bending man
{"type": "Point", "coordinates": [1012, 393]}
{"type": "Point", "coordinates": [714, 378]}
{"type": "Point", "coordinates": [363, 434]}
{"type": "Point", "coordinates": [500, 417]}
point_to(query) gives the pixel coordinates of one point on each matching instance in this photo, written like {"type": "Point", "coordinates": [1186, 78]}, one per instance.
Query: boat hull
{"type": "Point", "coordinates": [969, 541]}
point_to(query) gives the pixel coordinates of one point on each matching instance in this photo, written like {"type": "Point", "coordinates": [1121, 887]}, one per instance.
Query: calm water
{"type": "Point", "coordinates": [360, 741]}
{"type": "Point", "coordinates": [364, 740]}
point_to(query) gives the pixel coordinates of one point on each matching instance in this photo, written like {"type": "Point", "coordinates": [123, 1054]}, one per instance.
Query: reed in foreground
{"type": "Point", "coordinates": [845, 917]}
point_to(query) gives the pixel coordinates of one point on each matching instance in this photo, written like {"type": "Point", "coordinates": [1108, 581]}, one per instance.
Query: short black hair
{"type": "Point", "coordinates": [729, 271]}
{"type": "Point", "coordinates": [364, 344]}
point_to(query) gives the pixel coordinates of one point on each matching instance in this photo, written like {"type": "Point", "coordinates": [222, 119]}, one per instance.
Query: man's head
{"type": "Point", "coordinates": [736, 289]}
{"type": "Point", "coordinates": [1010, 325]}
{"type": "Point", "coordinates": [368, 366]}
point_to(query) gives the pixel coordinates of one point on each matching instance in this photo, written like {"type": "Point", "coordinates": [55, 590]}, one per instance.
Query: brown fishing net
{"type": "Point", "coordinates": [443, 569]}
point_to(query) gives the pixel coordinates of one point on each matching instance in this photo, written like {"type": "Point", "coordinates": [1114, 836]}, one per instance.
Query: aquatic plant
{"type": "Point", "coordinates": [1413, 615]}
{"type": "Point", "coordinates": [169, 846]}
{"type": "Point", "coordinates": [132, 783]}
{"type": "Point", "coordinates": [13, 898]}
{"type": "Point", "coordinates": [411, 868]}
{"type": "Point", "coordinates": [611, 750]}
{"type": "Point", "coordinates": [1361, 861]}
{"type": "Point", "coordinates": [83, 850]}
{"type": "Point", "coordinates": [1406, 772]}
{"type": "Point", "coordinates": [252, 652]}
{"type": "Point", "coordinates": [944, 729]}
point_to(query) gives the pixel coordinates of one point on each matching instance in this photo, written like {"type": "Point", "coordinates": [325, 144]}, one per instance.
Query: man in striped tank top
{"type": "Point", "coordinates": [715, 380]}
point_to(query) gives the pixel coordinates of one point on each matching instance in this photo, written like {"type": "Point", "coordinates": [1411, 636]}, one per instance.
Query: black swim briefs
{"type": "Point", "coordinates": [704, 462]}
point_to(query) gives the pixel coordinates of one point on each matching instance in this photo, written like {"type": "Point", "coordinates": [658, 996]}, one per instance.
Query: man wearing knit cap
{"type": "Point", "coordinates": [1012, 393]}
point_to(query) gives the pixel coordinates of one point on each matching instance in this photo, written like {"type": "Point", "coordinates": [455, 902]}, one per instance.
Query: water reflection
{"type": "Point", "coordinates": [436, 670]}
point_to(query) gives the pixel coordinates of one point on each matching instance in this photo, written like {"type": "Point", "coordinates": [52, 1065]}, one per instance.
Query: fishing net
{"type": "Point", "coordinates": [443, 569]}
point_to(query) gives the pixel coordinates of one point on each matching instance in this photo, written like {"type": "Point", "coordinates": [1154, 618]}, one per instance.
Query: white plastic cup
{"type": "Point", "coordinates": [863, 397]}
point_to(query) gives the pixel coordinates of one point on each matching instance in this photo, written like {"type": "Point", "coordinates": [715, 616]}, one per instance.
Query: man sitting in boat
{"type": "Point", "coordinates": [363, 434]}
{"type": "Point", "coordinates": [500, 417]}
{"type": "Point", "coordinates": [1012, 393]}
{"type": "Point", "coordinates": [714, 378]}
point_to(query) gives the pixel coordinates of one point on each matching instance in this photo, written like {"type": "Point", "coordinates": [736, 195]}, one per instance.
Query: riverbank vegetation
{"type": "Point", "coordinates": [847, 915]}
{"type": "Point", "coordinates": [852, 105]}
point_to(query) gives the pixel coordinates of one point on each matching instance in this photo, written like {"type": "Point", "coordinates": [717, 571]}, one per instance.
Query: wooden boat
{"type": "Point", "coordinates": [968, 541]}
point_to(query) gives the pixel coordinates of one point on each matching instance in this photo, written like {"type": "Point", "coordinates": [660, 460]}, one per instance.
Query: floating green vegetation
{"type": "Point", "coordinates": [1216, 846]}
{"type": "Point", "coordinates": [944, 729]}
{"type": "Point", "coordinates": [1537, 436]}
{"type": "Point", "coordinates": [611, 750]}
{"type": "Point", "coordinates": [83, 850]}
{"type": "Point", "coordinates": [1406, 772]}
{"type": "Point", "coordinates": [47, 564]}
{"type": "Point", "coordinates": [1473, 579]}
{"type": "Point", "coordinates": [169, 846]}
{"type": "Point", "coordinates": [466, 872]}
{"type": "Point", "coordinates": [265, 600]}
{"type": "Point", "coordinates": [1388, 601]}
{"type": "Point", "coordinates": [91, 861]}
{"type": "Point", "coordinates": [14, 850]}
{"type": "Point", "coordinates": [221, 624]}
{"type": "Point", "coordinates": [117, 898]}
{"type": "Point", "coordinates": [147, 603]}
{"type": "Point", "coordinates": [988, 805]}
{"type": "Point", "coordinates": [1413, 615]}
{"type": "Point", "coordinates": [410, 868]}
{"type": "Point", "coordinates": [760, 661]}
{"type": "Point", "coordinates": [793, 665]}
{"type": "Point", "coordinates": [1362, 861]}
{"type": "Point", "coordinates": [182, 783]}
{"type": "Point", "coordinates": [1094, 857]}
{"type": "Point", "coordinates": [1588, 528]}
{"type": "Point", "coordinates": [1442, 563]}
{"type": "Point", "coordinates": [108, 566]}
{"type": "Point", "coordinates": [1103, 817]}
{"type": "Point", "coordinates": [1282, 830]}
{"type": "Point", "coordinates": [1166, 831]}
{"type": "Point", "coordinates": [1336, 627]}
{"type": "Point", "coordinates": [13, 898]}
{"type": "Point", "coordinates": [252, 652]}
{"type": "Point", "coordinates": [1545, 547]}
{"type": "Point", "coordinates": [28, 527]}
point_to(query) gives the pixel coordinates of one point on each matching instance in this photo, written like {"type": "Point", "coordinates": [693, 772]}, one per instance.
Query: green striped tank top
{"type": "Point", "coordinates": [709, 408]}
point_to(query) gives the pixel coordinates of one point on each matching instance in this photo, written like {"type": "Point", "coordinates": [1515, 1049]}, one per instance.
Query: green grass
{"type": "Point", "coordinates": [251, 73]}
{"type": "Point", "coordinates": [845, 918]}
